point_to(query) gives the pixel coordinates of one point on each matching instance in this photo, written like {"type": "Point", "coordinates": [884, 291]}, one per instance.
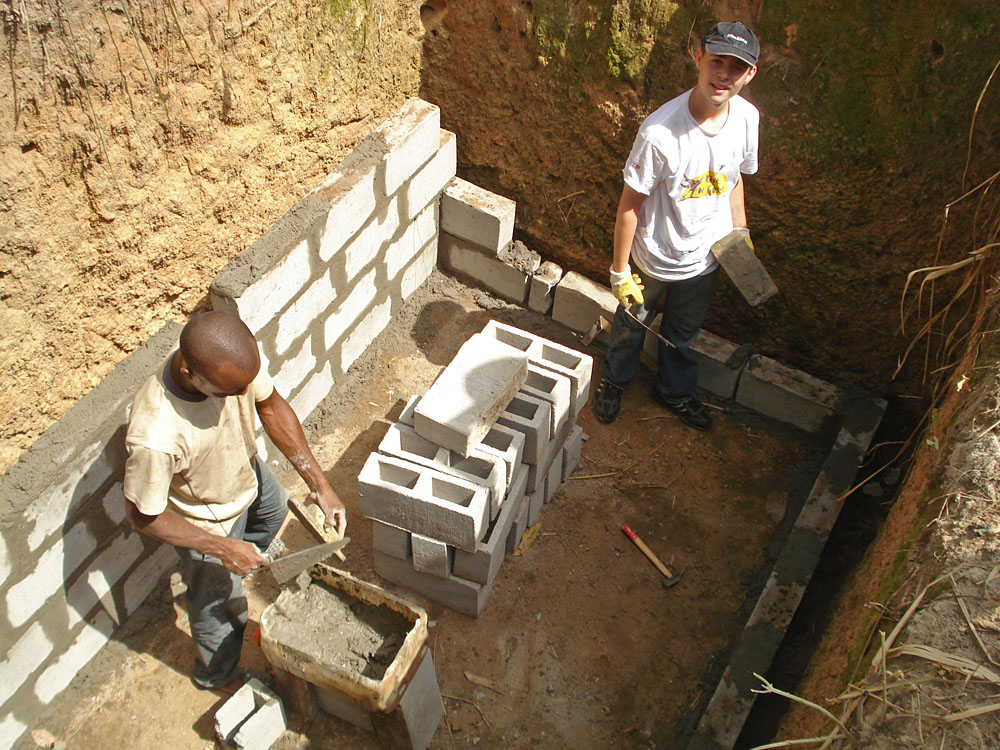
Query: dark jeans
{"type": "Point", "coordinates": [216, 604]}
{"type": "Point", "coordinates": [685, 304]}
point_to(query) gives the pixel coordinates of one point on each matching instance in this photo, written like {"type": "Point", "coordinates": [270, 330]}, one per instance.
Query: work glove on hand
{"type": "Point", "coordinates": [627, 287]}
{"type": "Point", "coordinates": [745, 234]}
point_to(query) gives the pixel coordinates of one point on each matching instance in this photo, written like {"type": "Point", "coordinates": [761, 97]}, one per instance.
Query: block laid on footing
{"type": "Point", "coordinates": [470, 393]}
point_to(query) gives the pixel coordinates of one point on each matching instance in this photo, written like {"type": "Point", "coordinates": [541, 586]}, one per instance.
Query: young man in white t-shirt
{"type": "Point", "coordinates": [683, 192]}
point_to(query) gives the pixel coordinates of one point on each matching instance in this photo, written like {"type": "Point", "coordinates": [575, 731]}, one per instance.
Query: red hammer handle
{"type": "Point", "coordinates": [647, 551]}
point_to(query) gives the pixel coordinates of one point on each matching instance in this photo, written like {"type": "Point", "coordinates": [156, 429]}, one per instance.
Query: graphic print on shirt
{"type": "Point", "coordinates": [710, 183]}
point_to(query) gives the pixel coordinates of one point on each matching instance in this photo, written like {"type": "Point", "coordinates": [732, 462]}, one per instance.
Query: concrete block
{"type": "Point", "coordinates": [482, 268]}
{"type": "Point", "coordinates": [571, 451]}
{"type": "Point", "coordinates": [791, 396]}
{"type": "Point", "coordinates": [252, 719]}
{"type": "Point", "coordinates": [579, 301]}
{"type": "Point", "coordinates": [103, 573]}
{"type": "Point", "coordinates": [364, 248]}
{"type": "Point", "coordinates": [421, 230]}
{"type": "Point", "coordinates": [532, 417]}
{"type": "Point", "coordinates": [305, 309]}
{"type": "Point", "coordinates": [483, 565]}
{"type": "Point", "coordinates": [391, 540]}
{"type": "Point", "coordinates": [433, 177]}
{"type": "Point", "coordinates": [348, 309]}
{"type": "Point", "coordinates": [11, 730]}
{"type": "Point", "coordinates": [296, 694]}
{"type": "Point", "coordinates": [476, 215]}
{"type": "Point", "coordinates": [712, 355]}
{"type": "Point", "coordinates": [519, 526]}
{"type": "Point", "coordinates": [500, 441]}
{"type": "Point", "coordinates": [4, 561]}
{"type": "Point", "coordinates": [294, 370]}
{"type": "Point", "coordinates": [554, 387]}
{"type": "Point", "coordinates": [736, 256]}
{"type": "Point", "coordinates": [535, 502]}
{"type": "Point", "coordinates": [340, 705]}
{"type": "Point", "coordinates": [470, 393]}
{"type": "Point", "coordinates": [141, 581]}
{"type": "Point", "coordinates": [350, 193]}
{"type": "Point", "coordinates": [365, 332]}
{"type": "Point", "coordinates": [553, 479]}
{"type": "Point", "coordinates": [419, 270]}
{"type": "Point", "coordinates": [431, 556]}
{"type": "Point", "coordinates": [315, 388]}
{"type": "Point", "coordinates": [574, 364]}
{"type": "Point", "coordinates": [480, 467]}
{"type": "Point", "coordinates": [420, 708]}
{"type": "Point", "coordinates": [465, 597]}
{"type": "Point", "coordinates": [410, 137]}
{"type": "Point", "coordinates": [423, 500]}
{"type": "Point", "coordinates": [541, 286]}
{"type": "Point", "coordinates": [506, 443]}
{"type": "Point", "coordinates": [29, 652]}
{"type": "Point", "coordinates": [539, 471]}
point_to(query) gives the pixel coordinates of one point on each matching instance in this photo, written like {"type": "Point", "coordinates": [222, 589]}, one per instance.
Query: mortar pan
{"type": "Point", "coordinates": [373, 695]}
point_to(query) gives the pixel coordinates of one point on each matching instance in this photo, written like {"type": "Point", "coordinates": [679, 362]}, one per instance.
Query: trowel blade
{"type": "Point", "coordinates": [286, 568]}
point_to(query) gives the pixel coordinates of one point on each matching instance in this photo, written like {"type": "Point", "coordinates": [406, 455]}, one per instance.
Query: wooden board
{"type": "Point", "coordinates": [305, 513]}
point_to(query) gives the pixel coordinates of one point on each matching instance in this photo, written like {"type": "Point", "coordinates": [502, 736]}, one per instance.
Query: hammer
{"type": "Point", "coordinates": [671, 579]}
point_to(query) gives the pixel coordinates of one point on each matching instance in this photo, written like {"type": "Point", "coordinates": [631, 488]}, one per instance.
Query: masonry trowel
{"type": "Point", "coordinates": [286, 568]}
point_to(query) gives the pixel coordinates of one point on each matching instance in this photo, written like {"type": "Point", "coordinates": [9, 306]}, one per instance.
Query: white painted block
{"type": "Point", "coordinates": [423, 500]}
{"type": "Point", "coordinates": [61, 672]}
{"type": "Point", "coordinates": [294, 370]}
{"type": "Point", "coordinates": [470, 393]}
{"type": "Point", "coordinates": [350, 192]}
{"type": "Point", "coordinates": [31, 651]}
{"type": "Point", "coordinates": [304, 310]}
{"type": "Point", "coordinates": [417, 272]}
{"type": "Point", "coordinates": [419, 232]}
{"type": "Point", "coordinates": [411, 137]}
{"type": "Point", "coordinates": [365, 332]}
{"type": "Point", "coordinates": [114, 504]}
{"type": "Point", "coordinates": [433, 177]}
{"type": "Point", "coordinates": [104, 573]}
{"type": "Point", "coordinates": [81, 479]}
{"type": "Point", "coordinates": [368, 243]}
{"type": "Point", "coordinates": [4, 561]}
{"type": "Point", "coordinates": [576, 365]}
{"type": "Point", "coordinates": [431, 556]}
{"type": "Point", "coordinates": [475, 214]}
{"type": "Point", "coordinates": [261, 301]}
{"type": "Point", "coordinates": [346, 313]}
{"type": "Point", "coordinates": [10, 730]}
{"type": "Point", "coordinates": [49, 575]}
{"type": "Point", "coordinates": [147, 574]}
{"type": "Point", "coordinates": [313, 392]}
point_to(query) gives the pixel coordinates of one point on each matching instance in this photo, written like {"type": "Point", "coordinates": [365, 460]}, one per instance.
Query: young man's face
{"type": "Point", "coordinates": [721, 77]}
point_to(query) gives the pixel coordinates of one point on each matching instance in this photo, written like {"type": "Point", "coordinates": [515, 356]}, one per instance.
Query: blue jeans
{"type": "Point", "coordinates": [685, 304]}
{"type": "Point", "coordinates": [216, 604]}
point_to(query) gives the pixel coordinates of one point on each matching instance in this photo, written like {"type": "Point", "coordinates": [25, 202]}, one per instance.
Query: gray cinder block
{"type": "Point", "coordinates": [465, 597]}
{"type": "Point", "coordinates": [574, 364]}
{"type": "Point", "coordinates": [252, 719]}
{"type": "Point", "coordinates": [391, 540]}
{"type": "Point", "coordinates": [483, 565]}
{"type": "Point", "coordinates": [554, 387]}
{"type": "Point", "coordinates": [532, 417]}
{"type": "Point", "coordinates": [579, 301]}
{"type": "Point", "coordinates": [483, 268]}
{"type": "Point", "coordinates": [465, 400]}
{"type": "Point", "coordinates": [475, 214]}
{"type": "Point", "coordinates": [571, 451]}
{"type": "Point", "coordinates": [420, 499]}
{"type": "Point", "coordinates": [541, 285]}
{"type": "Point", "coordinates": [479, 467]}
{"type": "Point", "coordinates": [431, 556]}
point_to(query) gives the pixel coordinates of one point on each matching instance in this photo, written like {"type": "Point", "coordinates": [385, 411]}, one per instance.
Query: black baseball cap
{"type": "Point", "coordinates": [734, 40]}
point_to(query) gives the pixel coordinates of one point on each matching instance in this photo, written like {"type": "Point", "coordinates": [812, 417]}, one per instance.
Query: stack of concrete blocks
{"type": "Point", "coordinates": [315, 289]}
{"type": "Point", "coordinates": [252, 719]}
{"type": "Point", "coordinates": [466, 470]}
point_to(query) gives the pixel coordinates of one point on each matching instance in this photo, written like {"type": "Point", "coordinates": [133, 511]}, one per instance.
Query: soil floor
{"type": "Point", "coordinates": [582, 642]}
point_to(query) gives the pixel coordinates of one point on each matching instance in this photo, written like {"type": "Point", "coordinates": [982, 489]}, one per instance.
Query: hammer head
{"type": "Point", "coordinates": [668, 582]}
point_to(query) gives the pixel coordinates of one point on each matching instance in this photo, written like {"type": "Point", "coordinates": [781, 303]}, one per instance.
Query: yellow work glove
{"type": "Point", "coordinates": [626, 287]}
{"type": "Point", "coordinates": [745, 234]}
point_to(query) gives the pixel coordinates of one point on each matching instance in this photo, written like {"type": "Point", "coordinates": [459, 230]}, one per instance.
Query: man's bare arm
{"type": "Point", "coordinates": [626, 222]}
{"type": "Point", "coordinates": [237, 556]}
{"type": "Point", "coordinates": [738, 205]}
{"type": "Point", "coordinates": [285, 430]}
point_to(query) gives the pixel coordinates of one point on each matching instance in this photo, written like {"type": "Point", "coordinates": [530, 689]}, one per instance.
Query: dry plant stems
{"type": "Point", "coordinates": [975, 113]}
{"type": "Point", "coordinates": [145, 62]}
{"type": "Point", "coordinates": [118, 54]}
{"type": "Point", "coordinates": [471, 703]}
{"type": "Point", "coordinates": [180, 29]}
{"type": "Point", "coordinates": [769, 688]}
{"type": "Point", "coordinates": [968, 621]}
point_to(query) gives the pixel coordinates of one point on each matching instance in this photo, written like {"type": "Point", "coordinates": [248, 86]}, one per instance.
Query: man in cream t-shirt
{"type": "Point", "coordinates": [683, 191]}
{"type": "Point", "coordinates": [193, 480]}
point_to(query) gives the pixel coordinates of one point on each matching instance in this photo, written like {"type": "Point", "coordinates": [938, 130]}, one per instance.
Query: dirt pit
{"type": "Point", "coordinates": [580, 644]}
{"type": "Point", "coordinates": [336, 630]}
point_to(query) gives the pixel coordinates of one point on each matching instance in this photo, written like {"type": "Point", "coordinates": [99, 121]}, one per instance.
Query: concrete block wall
{"type": "Point", "coordinates": [421, 538]}
{"type": "Point", "coordinates": [315, 290]}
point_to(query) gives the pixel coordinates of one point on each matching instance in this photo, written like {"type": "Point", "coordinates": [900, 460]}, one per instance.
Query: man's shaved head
{"type": "Point", "coordinates": [218, 345]}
